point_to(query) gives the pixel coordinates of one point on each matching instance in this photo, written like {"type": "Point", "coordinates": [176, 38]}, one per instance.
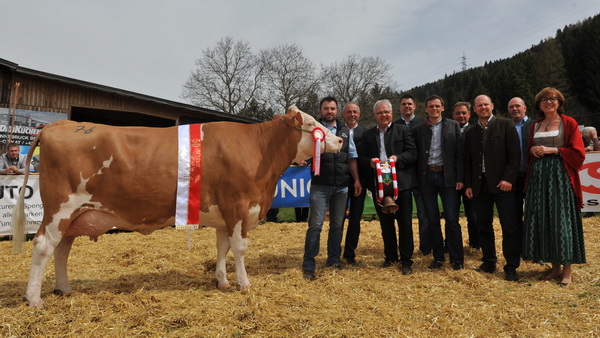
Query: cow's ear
{"type": "Point", "coordinates": [298, 119]}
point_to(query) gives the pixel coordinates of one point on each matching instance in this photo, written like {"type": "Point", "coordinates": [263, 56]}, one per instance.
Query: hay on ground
{"type": "Point", "coordinates": [129, 284]}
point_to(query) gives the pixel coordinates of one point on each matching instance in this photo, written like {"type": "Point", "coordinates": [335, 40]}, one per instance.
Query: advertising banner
{"type": "Point", "coordinates": [27, 125]}
{"type": "Point", "coordinates": [10, 185]}
{"type": "Point", "coordinates": [293, 190]}
{"type": "Point", "coordinates": [590, 182]}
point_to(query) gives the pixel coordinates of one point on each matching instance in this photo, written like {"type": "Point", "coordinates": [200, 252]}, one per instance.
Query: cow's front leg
{"type": "Point", "coordinates": [221, 268]}
{"type": "Point", "coordinates": [43, 248]}
{"type": "Point", "coordinates": [239, 246]}
{"type": "Point", "coordinates": [61, 256]}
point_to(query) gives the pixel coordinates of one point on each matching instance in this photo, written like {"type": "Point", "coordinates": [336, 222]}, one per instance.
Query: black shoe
{"type": "Point", "coordinates": [338, 266]}
{"type": "Point", "coordinates": [351, 261]}
{"type": "Point", "coordinates": [435, 265]}
{"type": "Point", "coordinates": [406, 270]}
{"type": "Point", "coordinates": [309, 274]}
{"type": "Point", "coordinates": [511, 276]}
{"type": "Point", "coordinates": [457, 266]}
{"type": "Point", "coordinates": [486, 267]}
{"type": "Point", "coordinates": [387, 264]}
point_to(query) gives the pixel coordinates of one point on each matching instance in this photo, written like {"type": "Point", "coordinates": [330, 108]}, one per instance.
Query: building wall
{"type": "Point", "coordinates": [41, 91]}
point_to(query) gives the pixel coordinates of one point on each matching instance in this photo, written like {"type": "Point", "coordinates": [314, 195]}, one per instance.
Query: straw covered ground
{"type": "Point", "coordinates": [129, 284]}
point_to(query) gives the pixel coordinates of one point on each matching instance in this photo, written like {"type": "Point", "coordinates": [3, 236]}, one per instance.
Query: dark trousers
{"type": "Point", "coordinates": [511, 236]}
{"type": "Point", "coordinates": [404, 241]}
{"type": "Point", "coordinates": [357, 204]}
{"type": "Point", "coordinates": [434, 186]}
{"type": "Point", "coordinates": [471, 220]}
{"type": "Point", "coordinates": [272, 215]}
{"type": "Point", "coordinates": [519, 201]}
{"type": "Point", "coordinates": [424, 240]}
{"type": "Point", "coordinates": [301, 214]}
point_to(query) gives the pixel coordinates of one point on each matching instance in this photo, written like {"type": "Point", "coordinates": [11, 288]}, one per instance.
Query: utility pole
{"type": "Point", "coordinates": [464, 62]}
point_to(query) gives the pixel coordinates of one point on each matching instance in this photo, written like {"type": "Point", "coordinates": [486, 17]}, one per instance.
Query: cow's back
{"type": "Point", "coordinates": [129, 172]}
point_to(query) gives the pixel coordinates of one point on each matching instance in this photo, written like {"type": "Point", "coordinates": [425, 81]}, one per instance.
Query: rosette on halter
{"type": "Point", "coordinates": [318, 135]}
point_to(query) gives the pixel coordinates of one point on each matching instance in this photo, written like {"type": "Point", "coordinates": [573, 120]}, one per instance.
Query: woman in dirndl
{"type": "Point", "coordinates": [553, 231]}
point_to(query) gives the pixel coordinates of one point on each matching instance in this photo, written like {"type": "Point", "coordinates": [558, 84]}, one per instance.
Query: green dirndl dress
{"type": "Point", "coordinates": [552, 230]}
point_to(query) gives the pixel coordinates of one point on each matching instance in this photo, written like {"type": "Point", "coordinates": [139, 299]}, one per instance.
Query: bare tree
{"type": "Point", "coordinates": [290, 77]}
{"type": "Point", "coordinates": [352, 79]}
{"type": "Point", "coordinates": [227, 77]}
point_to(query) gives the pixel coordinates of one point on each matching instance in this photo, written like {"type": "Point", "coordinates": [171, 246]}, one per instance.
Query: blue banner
{"type": "Point", "coordinates": [293, 188]}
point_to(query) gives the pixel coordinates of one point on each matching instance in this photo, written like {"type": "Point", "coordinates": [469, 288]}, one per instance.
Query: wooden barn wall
{"type": "Point", "coordinates": [58, 97]}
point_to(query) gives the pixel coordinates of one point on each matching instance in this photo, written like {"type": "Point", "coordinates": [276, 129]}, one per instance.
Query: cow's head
{"type": "Point", "coordinates": [307, 125]}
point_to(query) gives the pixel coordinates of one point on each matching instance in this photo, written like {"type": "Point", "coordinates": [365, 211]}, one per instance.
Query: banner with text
{"type": "Point", "coordinates": [590, 182]}
{"type": "Point", "coordinates": [10, 185]}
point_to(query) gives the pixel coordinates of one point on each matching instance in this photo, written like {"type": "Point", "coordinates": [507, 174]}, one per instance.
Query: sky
{"type": "Point", "coordinates": [151, 46]}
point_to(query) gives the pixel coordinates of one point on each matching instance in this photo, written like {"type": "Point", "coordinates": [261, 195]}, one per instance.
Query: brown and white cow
{"type": "Point", "coordinates": [95, 177]}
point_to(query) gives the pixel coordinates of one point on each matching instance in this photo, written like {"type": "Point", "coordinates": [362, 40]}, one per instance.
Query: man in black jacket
{"type": "Point", "coordinates": [330, 189]}
{"type": "Point", "coordinates": [351, 114]}
{"type": "Point", "coordinates": [393, 141]}
{"type": "Point", "coordinates": [518, 113]}
{"type": "Point", "coordinates": [492, 158]}
{"type": "Point", "coordinates": [440, 172]}
{"type": "Point", "coordinates": [461, 113]}
{"type": "Point", "coordinates": [408, 107]}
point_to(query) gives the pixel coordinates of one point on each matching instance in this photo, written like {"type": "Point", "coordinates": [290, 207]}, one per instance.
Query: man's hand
{"type": "Point", "coordinates": [469, 193]}
{"type": "Point", "coordinates": [504, 186]}
{"type": "Point", "coordinates": [374, 162]}
{"type": "Point", "coordinates": [357, 188]}
{"type": "Point", "coordinates": [13, 170]}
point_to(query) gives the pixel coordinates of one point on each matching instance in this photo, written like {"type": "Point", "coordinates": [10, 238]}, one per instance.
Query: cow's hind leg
{"type": "Point", "coordinates": [43, 248]}
{"type": "Point", "coordinates": [61, 256]}
{"type": "Point", "coordinates": [222, 249]}
{"type": "Point", "coordinates": [239, 246]}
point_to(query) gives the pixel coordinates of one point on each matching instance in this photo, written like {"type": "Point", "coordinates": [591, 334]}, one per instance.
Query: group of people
{"type": "Point", "coordinates": [527, 169]}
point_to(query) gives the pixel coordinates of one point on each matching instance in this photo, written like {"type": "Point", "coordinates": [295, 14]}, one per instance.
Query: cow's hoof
{"type": "Point", "coordinates": [244, 289]}
{"type": "Point", "coordinates": [59, 292]}
{"type": "Point", "coordinates": [37, 304]}
{"type": "Point", "coordinates": [225, 286]}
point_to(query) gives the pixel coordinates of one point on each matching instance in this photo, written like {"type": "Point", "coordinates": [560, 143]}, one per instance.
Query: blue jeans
{"type": "Point", "coordinates": [322, 197]}
{"type": "Point", "coordinates": [434, 185]}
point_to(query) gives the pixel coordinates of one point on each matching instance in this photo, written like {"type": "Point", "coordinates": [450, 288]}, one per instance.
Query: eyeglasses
{"type": "Point", "coordinates": [385, 112]}
{"type": "Point", "coordinates": [549, 99]}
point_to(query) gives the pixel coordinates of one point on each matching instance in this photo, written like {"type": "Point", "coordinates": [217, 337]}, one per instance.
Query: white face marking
{"type": "Point", "coordinates": [306, 144]}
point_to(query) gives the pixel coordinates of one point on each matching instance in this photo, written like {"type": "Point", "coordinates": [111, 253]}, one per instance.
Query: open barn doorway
{"type": "Point", "coordinates": [118, 118]}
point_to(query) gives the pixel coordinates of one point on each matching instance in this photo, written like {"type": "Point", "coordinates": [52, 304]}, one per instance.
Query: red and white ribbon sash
{"type": "Point", "coordinates": [189, 176]}
{"type": "Point", "coordinates": [380, 182]}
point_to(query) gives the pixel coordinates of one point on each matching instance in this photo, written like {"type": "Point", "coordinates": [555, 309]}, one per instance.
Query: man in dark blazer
{"type": "Point", "coordinates": [461, 113]}
{"type": "Point", "coordinates": [492, 157]}
{"type": "Point", "coordinates": [351, 114]}
{"type": "Point", "coordinates": [518, 113]}
{"type": "Point", "coordinates": [385, 141]}
{"type": "Point", "coordinates": [440, 172]}
{"type": "Point", "coordinates": [408, 107]}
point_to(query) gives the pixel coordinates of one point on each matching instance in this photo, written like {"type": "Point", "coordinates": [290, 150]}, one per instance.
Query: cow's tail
{"type": "Point", "coordinates": [18, 216]}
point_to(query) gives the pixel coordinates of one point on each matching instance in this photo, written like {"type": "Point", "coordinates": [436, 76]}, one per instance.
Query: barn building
{"type": "Point", "coordinates": [89, 102]}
